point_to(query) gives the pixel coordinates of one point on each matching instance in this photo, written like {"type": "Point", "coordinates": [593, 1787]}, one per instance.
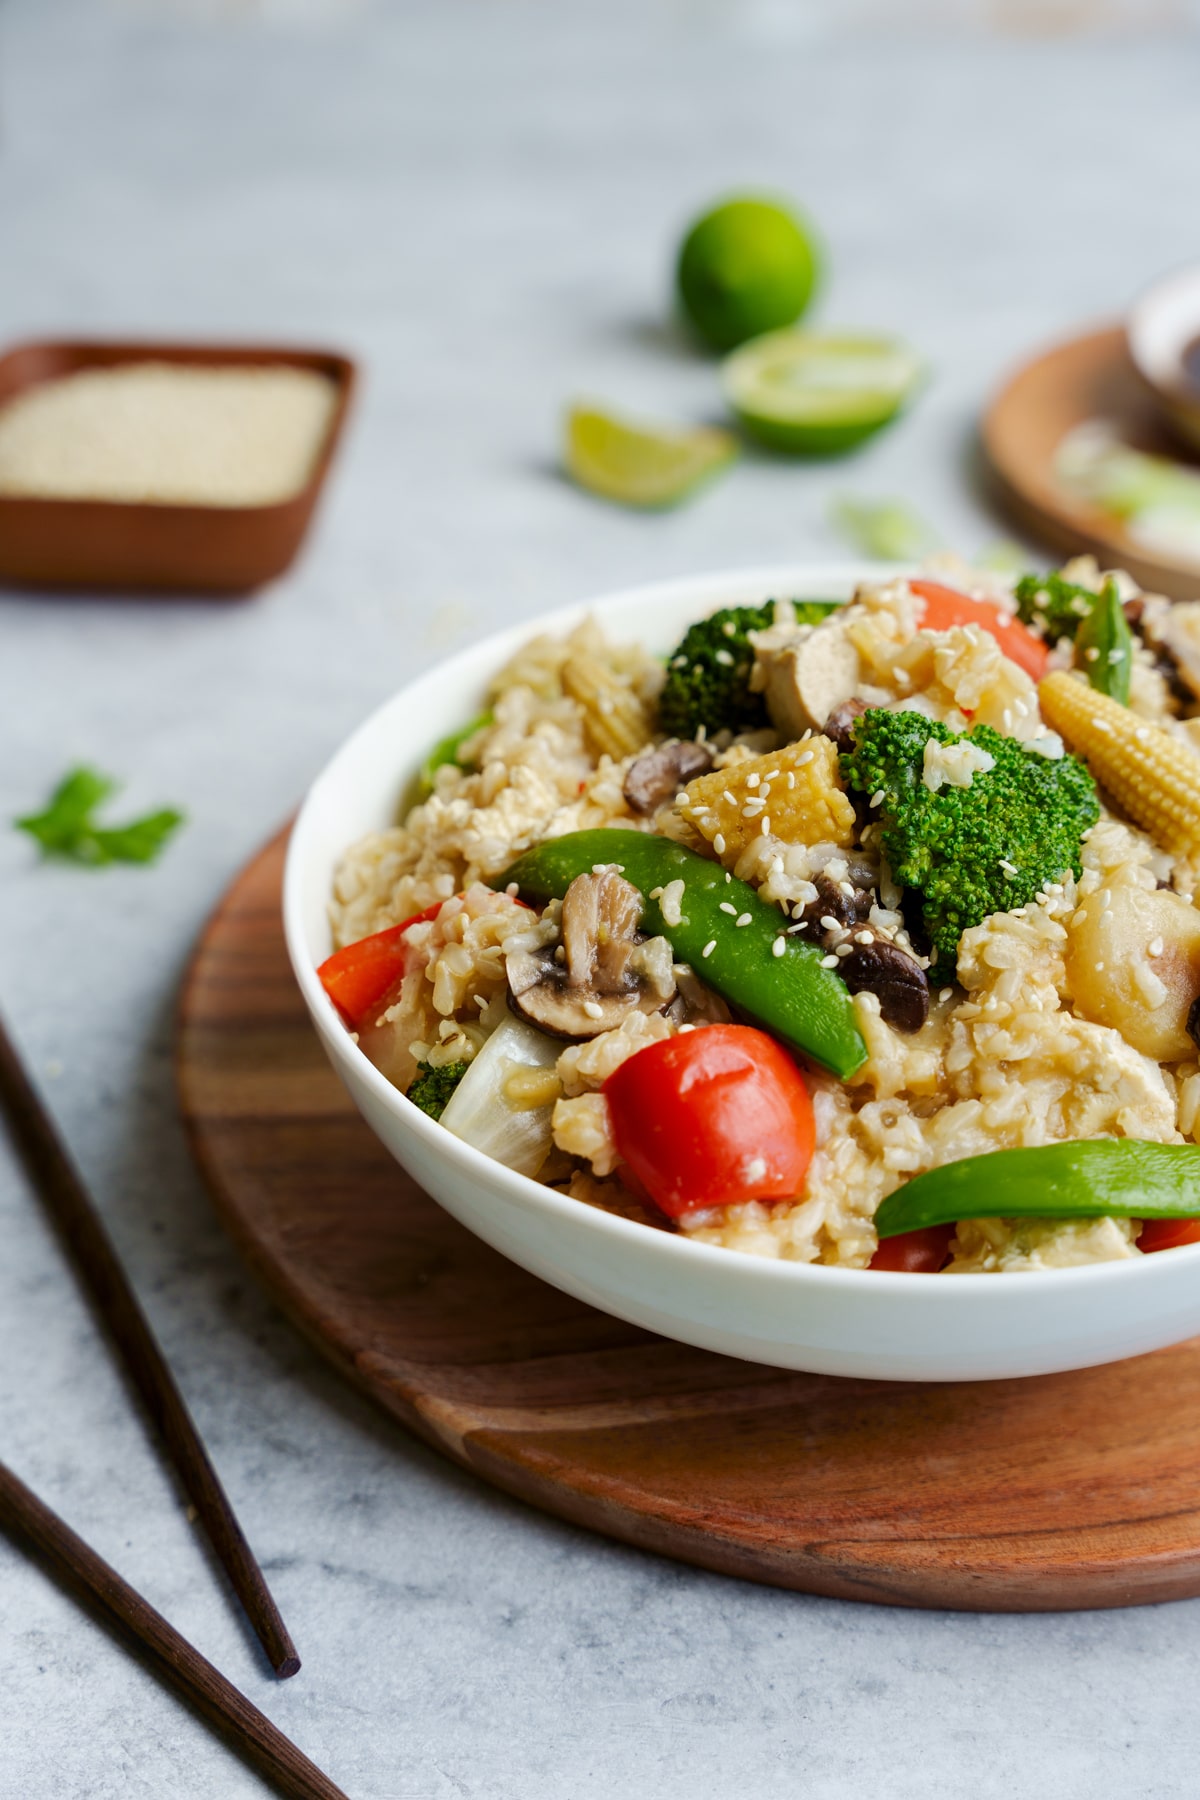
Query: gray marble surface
{"type": "Point", "coordinates": [479, 202]}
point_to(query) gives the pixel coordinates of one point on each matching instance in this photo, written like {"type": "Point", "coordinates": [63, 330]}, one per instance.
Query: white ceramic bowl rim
{"type": "Point", "coordinates": [709, 591]}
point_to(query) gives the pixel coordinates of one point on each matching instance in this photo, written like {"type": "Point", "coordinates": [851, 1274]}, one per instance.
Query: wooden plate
{"type": "Point", "coordinates": [1065, 1491]}
{"type": "Point", "coordinates": [1088, 378]}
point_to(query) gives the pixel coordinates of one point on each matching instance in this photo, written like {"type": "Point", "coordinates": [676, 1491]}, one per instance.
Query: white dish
{"type": "Point", "coordinates": [884, 1326]}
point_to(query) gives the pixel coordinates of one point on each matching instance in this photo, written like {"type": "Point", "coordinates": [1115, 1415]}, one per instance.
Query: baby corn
{"type": "Point", "coordinates": [615, 720]}
{"type": "Point", "coordinates": [791, 794]}
{"type": "Point", "coordinates": [1152, 776]}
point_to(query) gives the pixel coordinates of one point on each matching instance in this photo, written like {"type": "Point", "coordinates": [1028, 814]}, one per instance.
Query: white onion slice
{"type": "Point", "coordinates": [478, 1112]}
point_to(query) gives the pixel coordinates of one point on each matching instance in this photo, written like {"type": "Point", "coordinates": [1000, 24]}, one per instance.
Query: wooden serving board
{"type": "Point", "coordinates": [1065, 1491]}
{"type": "Point", "coordinates": [1090, 377]}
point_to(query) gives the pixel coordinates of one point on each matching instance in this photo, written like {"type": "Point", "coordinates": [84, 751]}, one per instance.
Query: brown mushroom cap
{"type": "Point", "coordinates": [899, 982]}
{"type": "Point", "coordinates": [590, 982]}
{"type": "Point", "coordinates": [657, 775]}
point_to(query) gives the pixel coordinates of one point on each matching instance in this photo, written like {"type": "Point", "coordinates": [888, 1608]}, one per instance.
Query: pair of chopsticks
{"type": "Point", "coordinates": [26, 1518]}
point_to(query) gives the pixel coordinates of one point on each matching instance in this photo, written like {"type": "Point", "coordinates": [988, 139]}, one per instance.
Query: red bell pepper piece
{"type": "Point", "coordinates": [1168, 1234]}
{"type": "Point", "coordinates": [713, 1116]}
{"type": "Point", "coordinates": [357, 977]}
{"type": "Point", "coordinates": [945, 607]}
{"type": "Point", "coordinates": [920, 1252]}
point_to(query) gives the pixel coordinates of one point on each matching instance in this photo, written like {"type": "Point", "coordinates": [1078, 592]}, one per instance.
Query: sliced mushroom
{"type": "Point", "coordinates": [599, 973]}
{"type": "Point", "coordinates": [900, 983]}
{"type": "Point", "coordinates": [806, 671]}
{"type": "Point", "coordinates": [658, 775]}
{"type": "Point", "coordinates": [841, 722]}
{"type": "Point", "coordinates": [833, 902]}
{"type": "Point", "coordinates": [1178, 646]}
{"type": "Point", "coordinates": [837, 920]}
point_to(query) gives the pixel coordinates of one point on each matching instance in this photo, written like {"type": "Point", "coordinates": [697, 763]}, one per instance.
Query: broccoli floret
{"type": "Point", "coordinates": [1053, 607]}
{"type": "Point", "coordinates": [708, 675]}
{"type": "Point", "coordinates": [965, 852]}
{"type": "Point", "coordinates": [432, 1088]}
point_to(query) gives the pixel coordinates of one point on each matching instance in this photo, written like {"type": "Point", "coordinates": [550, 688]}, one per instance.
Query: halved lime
{"type": "Point", "coordinates": [817, 394]}
{"type": "Point", "coordinates": [748, 266]}
{"type": "Point", "coordinates": [642, 465]}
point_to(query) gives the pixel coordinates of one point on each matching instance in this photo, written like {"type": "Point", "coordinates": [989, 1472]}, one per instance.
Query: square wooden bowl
{"type": "Point", "coordinates": [145, 547]}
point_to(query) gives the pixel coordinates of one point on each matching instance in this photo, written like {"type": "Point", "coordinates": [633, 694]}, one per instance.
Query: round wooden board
{"type": "Point", "coordinates": [1067, 1491]}
{"type": "Point", "coordinates": [1088, 378]}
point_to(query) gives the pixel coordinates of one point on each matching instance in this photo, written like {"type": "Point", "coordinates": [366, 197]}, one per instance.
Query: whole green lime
{"type": "Point", "coordinates": [746, 267]}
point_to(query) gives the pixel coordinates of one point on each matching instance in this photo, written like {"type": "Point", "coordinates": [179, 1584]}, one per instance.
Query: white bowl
{"type": "Point", "coordinates": [885, 1326]}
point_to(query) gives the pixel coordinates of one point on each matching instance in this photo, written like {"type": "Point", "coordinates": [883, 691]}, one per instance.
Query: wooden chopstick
{"type": "Point", "coordinates": [96, 1262]}
{"type": "Point", "coordinates": [24, 1517]}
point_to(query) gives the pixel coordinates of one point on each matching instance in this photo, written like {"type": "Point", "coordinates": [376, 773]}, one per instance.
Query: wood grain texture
{"type": "Point", "coordinates": [1090, 377]}
{"type": "Point", "coordinates": [1063, 1491]}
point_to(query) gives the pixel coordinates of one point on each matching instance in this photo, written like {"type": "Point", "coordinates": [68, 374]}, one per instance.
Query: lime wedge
{"type": "Point", "coordinates": [817, 394]}
{"type": "Point", "coordinates": [640, 465]}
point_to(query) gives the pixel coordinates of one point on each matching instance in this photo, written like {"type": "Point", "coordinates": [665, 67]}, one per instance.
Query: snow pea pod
{"type": "Point", "coordinates": [1095, 1178]}
{"type": "Point", "coordinates": [446, 751]}
{"type": "Point", "coordinates": [734, 941]}
{"type": "Point", "coordinates": [1104, 645]}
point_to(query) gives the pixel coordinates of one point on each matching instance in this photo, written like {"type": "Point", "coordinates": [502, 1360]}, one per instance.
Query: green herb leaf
{"type": "Point", "coordinates": [885, 529]}
{"type": "Point", "coordinates": [66, 828]}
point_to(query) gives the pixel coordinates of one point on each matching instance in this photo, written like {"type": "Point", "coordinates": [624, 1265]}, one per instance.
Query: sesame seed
{"type": "Point", "coordinates": [829, 923]}
{"type": "Point", "coordinates": [803, 761]}
{"type": "Point", "coordinates": [847, 888]}
{"type": "Point", "coordinates": [728, 876]}
{"type": "Point", "coordinates": [679, 662]}
{"type": "Point", "coordinates": [844, 950]}
{"type": "Point", "coordinates": [765, 827]}
{"type": "Point", "coordinates": [752, 809]}
{"type": "Point", "coordinates": [742, 919]}
{"type": "Point", "coordinates": [877, 798]}
{"type": "Point", "coordinates": [793, 929]}
{"type": "Point", "coordinates": [724, 658]}
{"type": "Point", "coordinates": [593, 1009]}
{"type": "Point", "coordinates": [945, 994]}
{"type": "Point", "coordinates": [729, 628]}
{"type": "Point", "coordinates": [791, 779]}
{"type": "Point", "coordinates": [479, 1001]}
{"type": "Point", "coordinates": [1102, 725]}
{"type": "Point", "coordinates": [771, 775]}
{"type": "Point", "coordinates": [778, 947]}
{"type": "Point", "coordinates": [1091, 655]}
{"type": "Point", "coordinates": [681, 797]}
{"type": "Point", "coordinates": [1116, 654]}
{"type": "Point", "coordinates": [709, 947]}
{"type": "Point", "coordinates": [864, 937]}
{"type": "Point", "coordinates": [725, 907]}
{"type": "Point", "coordinates": [719, 844]}
{"type": "Point", "coordinates": [1099, 968]}
{"type": "Point", "coordinates": [1009, 868]}
{"type": "Point", "coordinates": [829, 962]}
{"type": "Point", "coordinates": [1156, 948]}
{"type": "Point", "coordinates": [752, 781]}
{"type": "Point", "coordinates": [726, 795]}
